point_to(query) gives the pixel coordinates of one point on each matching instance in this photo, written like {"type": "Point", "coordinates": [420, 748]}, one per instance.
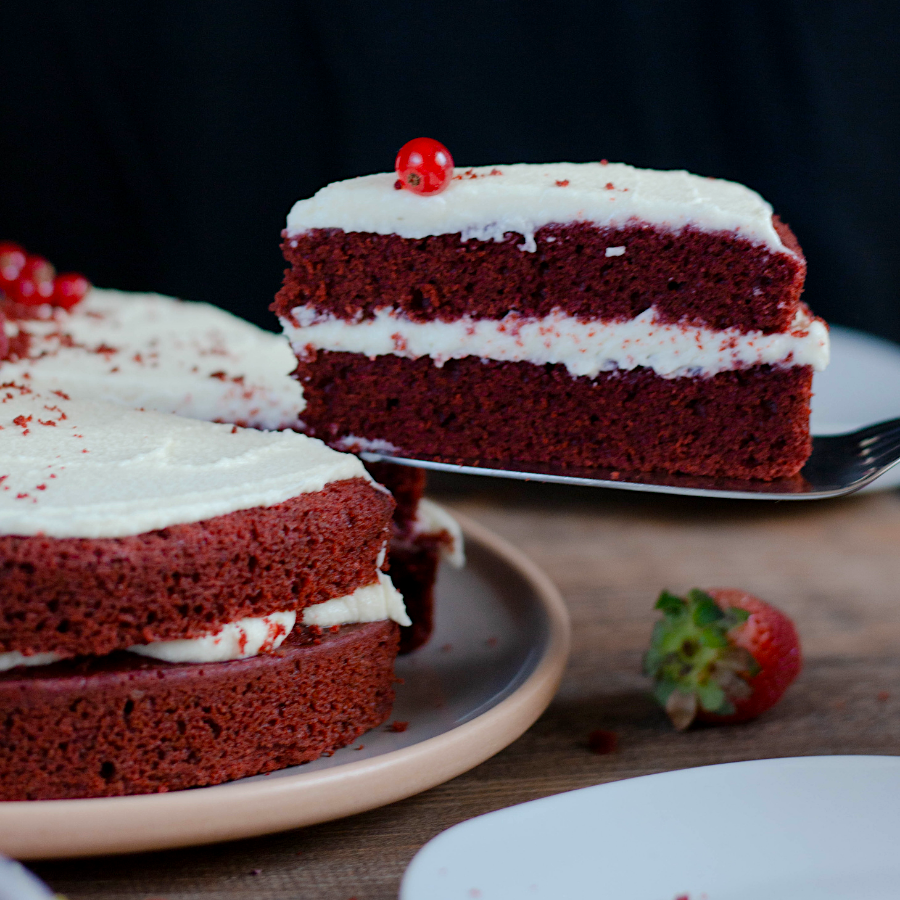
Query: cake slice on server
{"type": "Point", "coordinates": [184, 603]}
{"type": "Point", "coordinates": [586, 314]}
{"type": "Point", "coordinates": [154, 352]}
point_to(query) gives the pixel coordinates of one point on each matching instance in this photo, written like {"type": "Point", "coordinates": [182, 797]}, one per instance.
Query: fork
{"type": "Point", "coordinates": [839, 464]}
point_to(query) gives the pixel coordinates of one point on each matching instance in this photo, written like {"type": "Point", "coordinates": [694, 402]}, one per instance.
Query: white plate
{"type": "Point", "coordinates": [861, 386]}
{"type": "Point", "coordinates": [491, 668]}
{"type": "Point", "coordinates": [814, 828]}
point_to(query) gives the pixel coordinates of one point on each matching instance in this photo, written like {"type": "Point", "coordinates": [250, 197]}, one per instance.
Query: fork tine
{"type": "Point", "coordinates": [871, 433]}
{"type": "Point", "coordinates": [885, 457]}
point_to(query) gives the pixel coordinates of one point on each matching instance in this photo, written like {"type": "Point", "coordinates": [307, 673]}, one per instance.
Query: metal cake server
{"type": "Point", "coordinates": [839, 464]}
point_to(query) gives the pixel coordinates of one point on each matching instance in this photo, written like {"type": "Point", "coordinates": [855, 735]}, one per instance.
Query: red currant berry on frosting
{"type": "Point", "coordinates": [424, 166]}
{"type": "Point", "coordinates": [12, 261]}
{"type": "Point", "coordinates": [69, 289]}
{"type": "Point", "coordinates": [34, 285]}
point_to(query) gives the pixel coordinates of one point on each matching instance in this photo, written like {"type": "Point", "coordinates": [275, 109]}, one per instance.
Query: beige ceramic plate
{"type": "Point", "coordinates": [491, 668]}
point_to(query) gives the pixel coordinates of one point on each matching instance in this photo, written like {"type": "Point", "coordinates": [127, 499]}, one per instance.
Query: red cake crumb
{"type": "Point", "coordinates": [398, 726]}
{"type": "Point", "coordinates": [602, 742]}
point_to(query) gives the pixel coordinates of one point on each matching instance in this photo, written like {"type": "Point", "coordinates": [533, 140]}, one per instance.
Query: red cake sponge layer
{"type": "Point", "coordinates": [712, 279]}
{"type": "Point", "coordinates": [80, 596]}
{"type": "Point", "coordinates": [127, 725]}
{"type": "Point", "coordinates": [747, 423]}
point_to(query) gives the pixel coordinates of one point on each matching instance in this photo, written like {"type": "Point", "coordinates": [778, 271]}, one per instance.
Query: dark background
{"type": "Point", "coordinates": [159, 146]}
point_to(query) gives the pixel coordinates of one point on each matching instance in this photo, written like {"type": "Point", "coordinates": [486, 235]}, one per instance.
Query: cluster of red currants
{"type": "Point", "coordinates": [32, 281]}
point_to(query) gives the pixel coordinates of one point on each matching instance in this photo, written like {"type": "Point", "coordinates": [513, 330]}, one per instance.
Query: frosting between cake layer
{"type": "Point", "coordinates": [372, 603]}
{"type": "Point", "coordinates": [258, 634]}
{"type": "Point", "coordinates": [96, 470]}
{"type": "Point", "coordinates": [585, 348]}
{"type": "Point", "coordinates": [236, 640]}
{"type": "Point", "coordinates": [152, 352]}
{"type": "Point", "coordinates": [13, 658]}
{"type": "Point", "coordinates": [488, 202]}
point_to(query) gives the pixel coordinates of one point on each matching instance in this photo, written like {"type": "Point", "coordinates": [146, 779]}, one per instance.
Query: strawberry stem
{"type": "Point", "coordinates": [692, 660]}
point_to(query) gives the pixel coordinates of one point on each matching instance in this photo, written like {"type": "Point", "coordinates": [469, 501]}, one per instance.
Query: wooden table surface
{"type": "Point", "coordinates": [832, 565]}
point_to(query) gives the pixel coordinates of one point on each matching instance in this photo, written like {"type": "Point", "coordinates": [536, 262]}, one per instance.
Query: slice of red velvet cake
{"type": "Point", "coordinates": [577, 314]}
{"type": "Point", "coordinates": [170, 586]}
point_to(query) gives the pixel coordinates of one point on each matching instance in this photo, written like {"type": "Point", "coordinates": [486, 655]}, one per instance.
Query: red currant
{"type": "Point", "coordinates": [34, 285]}
{"type": "Point", "coordinates": [424, 166]}
{"type": "Point", "coordinates": [69, 289]}
{"type": "Point", "coordinates": [12, 260]}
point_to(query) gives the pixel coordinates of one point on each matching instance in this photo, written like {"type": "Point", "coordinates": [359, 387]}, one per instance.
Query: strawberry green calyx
{"type": "Point", "coordinates": [693, 661]}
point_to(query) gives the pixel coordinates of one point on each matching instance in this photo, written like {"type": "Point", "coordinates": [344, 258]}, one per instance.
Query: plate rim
{"type": "Point", "coordinates": [42, 829]}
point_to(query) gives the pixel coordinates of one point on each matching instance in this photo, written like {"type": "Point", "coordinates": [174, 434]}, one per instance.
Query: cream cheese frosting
{"type": "Point", "coordinates": [585, 348]}
{"type": "Point", "coordinates": [487, 202]}
{"type": "Point", "coordinates": [13, 658]}
{"type": "Point", "coordinates": [93, 470]}
{"type": "Point", "coordinates": [372, 603]}
{"type": "Point", "coordinates": [148, 351]}
{"type": "Point", "coordinates": [236, 640]}
{"type": "Point", "coordinates": [433, 519]}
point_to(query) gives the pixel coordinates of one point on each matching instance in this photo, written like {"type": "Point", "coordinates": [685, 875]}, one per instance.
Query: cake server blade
{"type": "Point", "coordinates": [839, 464]}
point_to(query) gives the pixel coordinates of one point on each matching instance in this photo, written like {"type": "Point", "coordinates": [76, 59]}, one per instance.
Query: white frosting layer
{"type": "Point", "coordinates": [79, 469]}
{"type": "Point", "coordinates": [152, 352]}
{"type": "Point", "coordinates": [13, 658]}
{"type": "Point", "coordinates": [237, 640]}
{"type": "Point", "coordinates": [377, 601]}
{"type": "Point", "coordinates": [585, 348]}
{"type": "Point", "coordinates": [524, 198]}
{"type": "Point", "coordinates": [432, 519]}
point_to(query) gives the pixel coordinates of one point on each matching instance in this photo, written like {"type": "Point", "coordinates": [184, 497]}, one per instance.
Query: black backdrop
{"type": "Point", "coordinates": [159, 145]}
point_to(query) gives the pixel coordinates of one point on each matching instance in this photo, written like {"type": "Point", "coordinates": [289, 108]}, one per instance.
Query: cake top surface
{"type": "Point", "coordinates": [154, 352]}
{"type": "Point", "coordinates": [74, 468]}
{"type": "Point", "coordinates": [486, 202]}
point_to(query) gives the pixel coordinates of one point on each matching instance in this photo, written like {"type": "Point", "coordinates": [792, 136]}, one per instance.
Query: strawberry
{"type": "Point", "coordinates": [720, 656]}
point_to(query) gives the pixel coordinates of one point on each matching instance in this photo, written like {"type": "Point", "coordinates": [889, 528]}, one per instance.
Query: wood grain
{"type": "Point", "coordinates": [833, 565]}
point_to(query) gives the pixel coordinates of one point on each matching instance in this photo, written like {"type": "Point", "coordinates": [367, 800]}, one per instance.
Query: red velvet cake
{"type": "Point", "coordinates": [576, 314]}
{"type": "Point", "coordinates": [171, 584]}
{"type": "Point", "coordinates": [153, 352]}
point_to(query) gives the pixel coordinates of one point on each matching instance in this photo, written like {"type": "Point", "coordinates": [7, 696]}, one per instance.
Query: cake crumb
{"type": "Point", "coordinates": [399, 727]}
{"type": "Point", "coordinates": [883, 695]}
{"type": "Point", "coordinates": [563, 183]}
{"type": "Point", "coordinates": [446, 648]}
{"type": "Point", "coordinates": [491, 641]}
{"type": "Point", "coordinates": [602, 742]}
